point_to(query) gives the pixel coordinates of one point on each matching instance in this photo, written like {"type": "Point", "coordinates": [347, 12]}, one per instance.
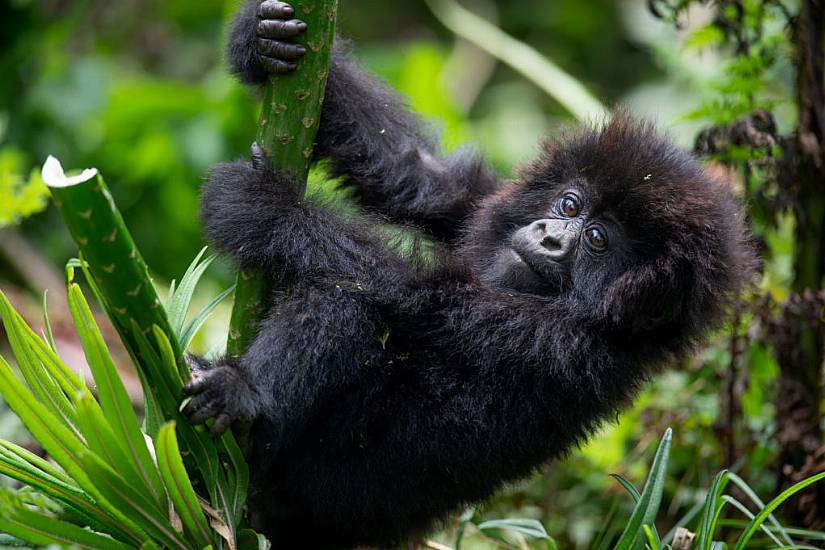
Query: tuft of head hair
{"type": "Point", "coordinates": [692, 250]}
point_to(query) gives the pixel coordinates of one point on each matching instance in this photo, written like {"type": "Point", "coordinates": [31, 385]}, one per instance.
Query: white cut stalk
{"type": "Point", "coordinates": [54, 176]}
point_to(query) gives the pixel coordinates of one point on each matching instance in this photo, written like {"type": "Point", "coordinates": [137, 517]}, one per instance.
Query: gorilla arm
{"type": "Point", "coordinates": [373, 141]}
{"type": "Point", "coordinates": [258, 216]}
{"type": "Point", "coordinates": [321, 336]}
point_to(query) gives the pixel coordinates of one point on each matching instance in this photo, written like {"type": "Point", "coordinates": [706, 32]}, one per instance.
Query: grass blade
{"type": "Point", "coordinates": [648, 505]}
{"type": "Point", "coordinates": [45, 389]}
{"type": "Point", "coordinates": [751, 494]}
{"type": "Point", "coordinates": [25, 467]}
{"type": "Point", "coordinates": [744, 509]}
{"type": "Point", "coordinates": [46, 323]}
{"type": "Point", "coordinates": [711, 510]}
{"type": "Point", "coordinates": [530, 528]}
{"type": "Point", "coordinates": [45, 531]}
{"type": "Point", "coordinates": [114, 399]}
{"type": "Point", "coordinates": [629, 487]}
{"type": "Point", "coordinates": [180, 488]}
{"type": "Point", "coordinates": [773, 505]}
{"type": "Point", "coordinates": [180, 300]}
{"type": "Point", "coordinates": [192, 328]}
{"type": "Point", "coordinates": [144, 511]}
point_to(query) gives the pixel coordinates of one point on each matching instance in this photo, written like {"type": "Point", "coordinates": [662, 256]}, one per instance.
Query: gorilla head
{"type": "Point", "coordinates": [620, 221]}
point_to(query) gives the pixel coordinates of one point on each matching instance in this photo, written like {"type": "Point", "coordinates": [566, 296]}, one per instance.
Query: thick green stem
{"type": "Point", "coordinates": [114, 261]}
{"type": "Point", "coordinates": [288, 126]}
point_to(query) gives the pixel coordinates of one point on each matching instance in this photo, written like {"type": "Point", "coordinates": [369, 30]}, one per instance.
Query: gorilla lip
{"type": "Point", "coordinates": [523, 258]}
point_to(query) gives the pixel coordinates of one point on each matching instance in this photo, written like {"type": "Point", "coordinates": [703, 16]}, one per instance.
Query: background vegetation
{"type": "Point", "coordinates": [137, 88]}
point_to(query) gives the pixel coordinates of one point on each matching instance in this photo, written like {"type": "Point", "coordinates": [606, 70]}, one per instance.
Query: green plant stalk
{"type": "Point", "coordinates": [114, 261]}
{"type": "Point", "coordinates": [289, 123]}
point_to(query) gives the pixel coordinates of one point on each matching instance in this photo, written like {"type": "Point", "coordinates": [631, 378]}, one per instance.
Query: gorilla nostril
{"type": "Point", "coordinates": [551, 243]}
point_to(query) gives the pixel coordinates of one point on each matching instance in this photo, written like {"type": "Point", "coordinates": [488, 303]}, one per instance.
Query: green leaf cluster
{"type": "Point", "coordinates": [22, 195]}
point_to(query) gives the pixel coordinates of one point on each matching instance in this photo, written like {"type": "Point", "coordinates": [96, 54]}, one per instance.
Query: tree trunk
{"type": "Point", "coordinates": [801, 360]}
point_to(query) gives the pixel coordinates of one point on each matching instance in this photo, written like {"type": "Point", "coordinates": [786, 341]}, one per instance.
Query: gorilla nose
{"type": "Point", "coordinates": [555, 236]}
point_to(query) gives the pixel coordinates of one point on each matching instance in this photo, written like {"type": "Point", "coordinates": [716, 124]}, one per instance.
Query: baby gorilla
{"type": "Point", "coordinates": [385, 393]}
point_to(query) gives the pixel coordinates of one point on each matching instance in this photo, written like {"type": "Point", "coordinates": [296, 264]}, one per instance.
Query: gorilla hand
{"type": "Point", "coordinates": [274, 46]}
{"type": "Point", "coordinates": [218, 391]}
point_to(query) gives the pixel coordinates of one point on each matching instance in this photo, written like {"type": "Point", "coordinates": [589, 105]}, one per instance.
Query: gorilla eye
{"type": "Point", "coordinates": [570, 206]}
{"type": "Point", "coordinates": [596, 238]}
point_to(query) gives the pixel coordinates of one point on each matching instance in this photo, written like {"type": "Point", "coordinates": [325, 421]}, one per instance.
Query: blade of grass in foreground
{"type": "Point", "coordinates": [771, 506]}
{"type": "Point", "coordinates": [648, 505]}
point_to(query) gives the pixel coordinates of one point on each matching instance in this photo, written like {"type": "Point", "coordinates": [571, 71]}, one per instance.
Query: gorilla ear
{"type": "Point", "coordinates": [645, 297]}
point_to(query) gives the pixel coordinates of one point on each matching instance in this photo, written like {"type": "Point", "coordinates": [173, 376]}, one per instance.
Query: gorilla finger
{"type": "Point", "coordinates": [198, 384]}
{"type": "Point", "coordinates": [204, 414]}
{"type": "Point", "coordinates": [272, 9]}
{"type": "Point", "coordinates": [278, 29]}
{"type": "Point", "coordinates": [276, 66]}
{"type": "Point", "coordinates": [280, 50]}
{"type": "Point", "coordinates": [196, 364]}
{"type": "Point", "coordinates": [259, 159]}
{"type": "Point", "coordinates": [221, 424]}
{"type": "Point", "coordinates": [194, 405]}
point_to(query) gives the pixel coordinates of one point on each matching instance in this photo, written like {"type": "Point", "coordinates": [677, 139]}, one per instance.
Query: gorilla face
{"type": "Point", "coordinates": [620, 222]}
{"type": "Point", "coordinates": [552, 240]}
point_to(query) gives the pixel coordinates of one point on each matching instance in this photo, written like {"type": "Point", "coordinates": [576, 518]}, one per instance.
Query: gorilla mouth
{"type": "Point", "coordinates": [525, 259]}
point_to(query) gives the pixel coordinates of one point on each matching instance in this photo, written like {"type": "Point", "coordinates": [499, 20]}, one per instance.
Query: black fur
{"type": "Point", "coordinates": [387, 395]}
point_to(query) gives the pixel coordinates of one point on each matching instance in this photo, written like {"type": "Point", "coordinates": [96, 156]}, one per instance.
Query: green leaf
{"type": "Point", "coordinates": [751, 494]}
{"type": "Point", "coordinates": [705, 37]}
{"type": "Point", "coordinates": [744, 509]}
{"type": "Point", "coordinates": [61, 444]}
{"type": "Point", "coordinates": [182, 296]}
{"type": "Point", "coordinates": [648, 505]}
{"type": "Point", "coordinates": [142, 510]}
{"type": "Point", "coordinates": [43, 530]}
{"type": "Point", "coordinates": [629, 487]}
{"type": "Point", "coordinates": [19, 453]}
{"type": "Point", "coordinates": [114, 399]}
{"type": "Point", "coordinates": [530, 528]}
{"type": "Point", "coordinates": [180, 488]}
{"type": "Point", "coordinates": [102, 441]}
{"type": "Point", "coordinates": [46, 323]}
{"type": "Point", "coordinates": [195, 324]}
{"type": "Point", "coordinates": [711, 510]}
{"type": "Point", "coordinates": [46, 390]}
{"type": "Point", "coordinates": [250, 540]}
{"type": "Point", "coordinates": [651, 537]}
{"type": "Point", "coordinates": [760, 518]}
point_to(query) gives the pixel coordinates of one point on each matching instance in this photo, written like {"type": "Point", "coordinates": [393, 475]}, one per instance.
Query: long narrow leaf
{"type": "Point", "coordinates": [62, 444]}
{"type": "Point", "coordinates": [739, 482]}
{"type": "Point", "coordinates": [43, 386]}
{"type": "Point", "coordinates": [44, 531]}
{"type": "Point", "coordinates": [744, 509]}
{"type": "Point", "coordinates": [114, 399]}
{"type": "Point", "coordinates": [105, 444]}
{"type": "Point", "coordinates": [197, 321]}
{"type": "Point", "coordinates": [63, 491]}
{"type": "Point", "coordinates": [710, 511]}
{"type": "Point", "coordinates": [651, 537]}
{"type": "Point", "coordinates": [180, 488]}
{"type": "Point", "coordinates": [179, 303]}
{"type": "Point", "coordinates": [771, 506]}
{"type": "Point", "coordinates": [68, 380]}
{"type": "Point", "coordinates": [15, 451]}
{"type": "Point", "coordinates": [144, 511]}
{"type": "Point", "coordinates": [648, 504]}
{"type": "Point", "coordinates": [629, 487]}
{"type": "Point", "coordinates": [46, 323]}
